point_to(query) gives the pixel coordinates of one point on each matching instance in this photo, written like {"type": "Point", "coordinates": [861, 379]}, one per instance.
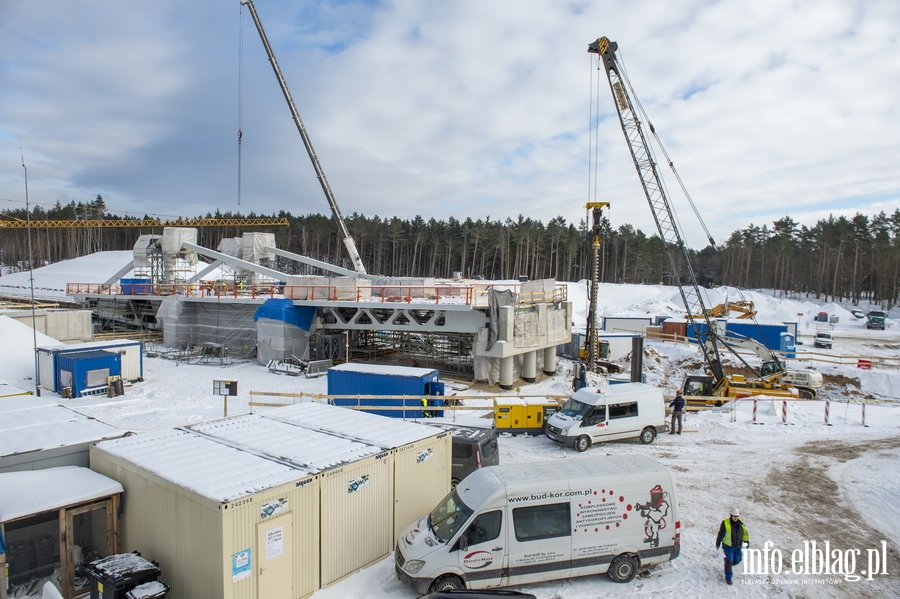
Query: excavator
{"type": "Point", "coordinates": [715, 387]}
{"type": "Point", "coordinates": [743, 308]}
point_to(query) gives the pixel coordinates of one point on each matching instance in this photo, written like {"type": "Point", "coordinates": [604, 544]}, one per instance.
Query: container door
{"type": "Point", "coordinates": [276, 557]}
{"type": "Point", "coordinates": [482, 559]}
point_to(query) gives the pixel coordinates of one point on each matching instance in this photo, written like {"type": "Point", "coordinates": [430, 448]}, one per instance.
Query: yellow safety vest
{"type": "Point", "coordinates": [726, 540]}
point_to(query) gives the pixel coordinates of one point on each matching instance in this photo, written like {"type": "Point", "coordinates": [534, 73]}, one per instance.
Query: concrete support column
{"type": "Point", "coordinates": [529, 366]}
{"type": "Point", "coordinates": [506, 373]}
{"type": "Point", "coordinates": [550, 360]}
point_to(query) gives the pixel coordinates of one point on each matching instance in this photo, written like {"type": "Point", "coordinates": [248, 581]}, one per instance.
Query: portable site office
{"type": "Point", "coordinates": [130, 352]}
{"type": "Point", "coordinates": [422, 456]}
{"type": "Point", "coordinates": [223, 523]}
{"type": "Point", "coordinates": [37, 433]}
{"type": "Point", "coordinates": [355, 486]}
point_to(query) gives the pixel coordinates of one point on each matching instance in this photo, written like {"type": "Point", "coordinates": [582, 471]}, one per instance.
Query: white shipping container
{"type": "Point", "coordinates": [356, 485]}
{"type": "Point", "coordinates": [422, 456]}
{"type": "Point", "coordinates": [131, 352]}
{"type": "Point", "coordinates": [222, 522]}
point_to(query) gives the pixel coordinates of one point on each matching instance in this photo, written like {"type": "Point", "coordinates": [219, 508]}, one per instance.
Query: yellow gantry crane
{"type": "Point", "coordinates": [125, 223]}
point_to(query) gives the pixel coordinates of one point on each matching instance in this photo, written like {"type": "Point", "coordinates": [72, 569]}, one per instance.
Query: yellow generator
{"type": "Point", "coordinates": [523, 414]}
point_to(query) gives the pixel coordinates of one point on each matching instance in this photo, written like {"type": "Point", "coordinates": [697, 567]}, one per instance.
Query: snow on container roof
{"type": "Point", "coordinates": [36, 491]}
{"type": "Point", "coordinates": [45, 425]}
{"type": "Point", "coordinates": [204, 466]}
{"type": "Point", "coordinates": [10, 391]}
{"type": "Point", "coordinates": [386, 370]}
{"type": "Point", "coordinates": [55, 434]}
{"type": "Point", "coordinates": [377, 430]}
{"type": "Point", "coordinates": [90, 345]}
{"type": "Point", "coordinates": [23, 402]}
{"type": "Point", "coordinates": [302, 447]}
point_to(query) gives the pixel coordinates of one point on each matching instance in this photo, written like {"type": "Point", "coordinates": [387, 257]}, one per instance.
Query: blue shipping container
{"type": "Point", "coordinates": [87, 370]}
{"type": "Point", "coordinates": [372, 379]}
{"type": "Point", "coordinates": [134, 286]}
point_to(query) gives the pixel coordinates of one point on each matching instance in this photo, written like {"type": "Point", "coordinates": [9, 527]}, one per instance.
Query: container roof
{"type": "Point", "coordinates": [30, 423]}
{"type": "Point", "coordinates": [89, 345]}
{"type": "Point", "coordinates": [302, 447]}
{"type": "Point", "coordinates": [209, 468]}
{"type": "Point", "coordinates": [385, 370]}
{"type": "Point", "coordinates": [36, 491]}
{"type": "Point", "coordinates": [377, 430]}
{"type": "Point", "coordinates": [89, 355]}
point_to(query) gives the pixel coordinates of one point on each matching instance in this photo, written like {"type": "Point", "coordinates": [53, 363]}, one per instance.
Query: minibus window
{"type": "Point", "coordinates": [574, 408]}
{"type": "Point", "coordinates": [542, 522]}
{"type": "Point", "coordinates": [489, 448]}
{"type": "Point", "coordinates": [486, 527]}
{"type": "Point", "coordinates": [448, 517]}
{"type": "Point", "coordinates": [623, 410]}
{"type": "Point", "coordinates": [462, 451]}
{"type": "Point", "coordinates": [596, 416]}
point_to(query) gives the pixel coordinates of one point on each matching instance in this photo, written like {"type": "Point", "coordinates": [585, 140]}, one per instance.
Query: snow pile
{"type": "Point", "coordinates": [17, 352]}
{"type": "Point", "coordinates": [50, 281]}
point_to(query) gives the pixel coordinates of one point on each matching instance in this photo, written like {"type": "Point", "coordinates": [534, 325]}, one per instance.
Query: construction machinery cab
{"type": "Point", "coordinates": [698, 385]}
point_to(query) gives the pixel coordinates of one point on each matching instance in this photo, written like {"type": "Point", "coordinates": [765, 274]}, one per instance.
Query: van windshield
{"type": "Point", "coordinates": [448, 517]}
{"type": "Point", "coordinates": [574, 409]}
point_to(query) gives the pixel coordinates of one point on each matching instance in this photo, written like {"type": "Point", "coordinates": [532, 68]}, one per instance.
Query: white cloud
{"type": "Point", "coordinates": [454, 108]}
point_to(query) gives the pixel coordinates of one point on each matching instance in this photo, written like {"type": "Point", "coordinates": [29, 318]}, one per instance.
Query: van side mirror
{"type": "Point", "coordinates": [464, 542]}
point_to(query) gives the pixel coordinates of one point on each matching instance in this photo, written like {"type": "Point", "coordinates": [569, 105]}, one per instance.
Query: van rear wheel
{"type": "Point", "coordinates": [648, 435]}
{"type": "Point", "coordinates": [582, 443]}
{"type": "Point", "coordinates": [623, 569]}
{"type": "Point", "coordinates": [447, 582]}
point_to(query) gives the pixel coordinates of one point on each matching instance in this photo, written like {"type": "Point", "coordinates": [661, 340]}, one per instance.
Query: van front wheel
{"type": "Point", "coordinates": [623, 569]}
{"type": "Point", "coordinates": [582, 443]}
{"type": "Point", "coordinates": [648, 435]}
{"type": "Point", "coordinates": [447, 582]}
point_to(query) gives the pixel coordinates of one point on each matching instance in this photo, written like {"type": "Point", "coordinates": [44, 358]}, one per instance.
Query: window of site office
{"type": "Point", "coordinates": [542, 522]}
{"type": "Point", "coordinates": [623, 410]}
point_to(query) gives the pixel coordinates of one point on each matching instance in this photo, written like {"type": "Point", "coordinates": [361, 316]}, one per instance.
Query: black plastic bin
{"type": "Point", "coordinates": [112, 577]}
{"type": "Point", "coordinates": [20, 561]}
{"type": "Point", "coordinates": [148, 590]}
{"type": "Point", "coordinates": [44, 555]}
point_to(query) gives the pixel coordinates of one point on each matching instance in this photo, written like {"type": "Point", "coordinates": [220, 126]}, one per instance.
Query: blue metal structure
{"type": "Point", "coordinates": [84, 371]}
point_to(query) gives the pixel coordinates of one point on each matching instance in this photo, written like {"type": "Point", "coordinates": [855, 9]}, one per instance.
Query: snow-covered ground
{"type": "Point", "coordinates": [794, 482]}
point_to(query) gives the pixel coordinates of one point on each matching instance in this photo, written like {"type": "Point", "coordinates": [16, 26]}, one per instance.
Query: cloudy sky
{"type": "Point", "coordinates": [453, 108]}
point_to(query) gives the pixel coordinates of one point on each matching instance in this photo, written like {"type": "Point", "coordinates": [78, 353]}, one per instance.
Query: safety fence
{"type": "Point", "coordinates": [782, 408]}
{"type": "Point", "coordinates": [450, 402]}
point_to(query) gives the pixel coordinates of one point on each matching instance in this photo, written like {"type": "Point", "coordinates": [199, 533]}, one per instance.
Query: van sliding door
{"type": "Point", "coordinates": [540, 543]}
{"type": "Point", "coordinates": [623, 421]}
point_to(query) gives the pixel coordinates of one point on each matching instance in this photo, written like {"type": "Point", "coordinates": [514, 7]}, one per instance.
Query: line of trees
{"type": "Point", "coordinates": [837, 259]}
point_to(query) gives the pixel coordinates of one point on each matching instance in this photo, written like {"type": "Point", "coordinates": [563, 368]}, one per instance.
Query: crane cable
{"type": "Point", "coordinates": [690, 201]}
{"type": "Point", "coordinates": [663, 150]}
{"type": "Point", "coordinates": [240, 101]}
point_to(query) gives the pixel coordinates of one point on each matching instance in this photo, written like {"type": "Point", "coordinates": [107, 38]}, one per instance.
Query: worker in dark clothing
{"type": "Point", "coordinates": [732, 536]}
{"type": "Point", "coordinates": [677, 412]}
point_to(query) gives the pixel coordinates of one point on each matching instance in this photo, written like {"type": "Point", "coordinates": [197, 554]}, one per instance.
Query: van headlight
{"type": "Point", "coordinates": [413, 565]}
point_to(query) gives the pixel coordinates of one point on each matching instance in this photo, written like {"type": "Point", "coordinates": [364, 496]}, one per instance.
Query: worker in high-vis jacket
{"type": "Point", "coordinates": [732, 536]}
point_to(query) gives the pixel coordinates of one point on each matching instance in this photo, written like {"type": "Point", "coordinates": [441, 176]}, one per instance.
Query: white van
{"type": "Point", "coordinates": [523, 523]}
{"type": "Point", "coordinates": [621, 411]}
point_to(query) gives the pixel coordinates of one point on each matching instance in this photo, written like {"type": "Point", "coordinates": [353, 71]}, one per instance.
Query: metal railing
{"type": "Point", "coordinates": [470, 295]}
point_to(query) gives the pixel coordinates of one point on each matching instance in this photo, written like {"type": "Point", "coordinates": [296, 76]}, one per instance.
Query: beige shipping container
{"type": "Point", "coordinates": [422, 455]}
{"type": "Point", "coordinates": [356, 490]}
{"type": "Point", "coordinates": [222, 522]}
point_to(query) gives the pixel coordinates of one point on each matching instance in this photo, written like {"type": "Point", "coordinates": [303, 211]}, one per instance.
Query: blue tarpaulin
{"type": "Point", "coordinates": [285, 311]}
